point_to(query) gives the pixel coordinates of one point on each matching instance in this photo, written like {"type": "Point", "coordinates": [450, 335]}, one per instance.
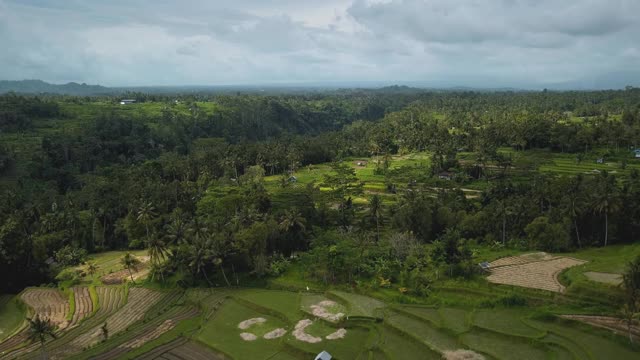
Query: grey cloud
{"type": "Point", "coordinates": [469, 42]}
{"type": "Point", "coordinates": [461, 21]}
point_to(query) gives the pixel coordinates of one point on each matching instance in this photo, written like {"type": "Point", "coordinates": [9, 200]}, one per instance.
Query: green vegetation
{"type": "Point", "coordinates": [185, 215]}
{"type": "Point", "coordinates": [11, 316]}
{"type": "Point", "coordinates": [222, 332]}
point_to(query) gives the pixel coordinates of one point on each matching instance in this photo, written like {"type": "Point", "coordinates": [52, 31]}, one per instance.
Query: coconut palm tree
{"type": "Point", "coordinates": [606, 201]}
{"type": "Point", "coordinates": [92, 268]}
{"type": "Point", "coordinates": [105, 331]}
{"type": "Point", "coordinates": [375, 211]}
{"type": "Point", "coordinates": [146, 213]}
{"type": "Point", "coordinates": [631, 284]}
{"type": "Point", "coordinates": [129, 262]}
{"type": "Point", "coordinates": [39, 330]}
{"type": "Point", "coordinates": [292, 221]}
{"type": "Point", "coordinates": [575, 202]}
{"type": "Point", "coordinates": [293, 224]}
{"type": "Point", "coordinates": [157, 250]}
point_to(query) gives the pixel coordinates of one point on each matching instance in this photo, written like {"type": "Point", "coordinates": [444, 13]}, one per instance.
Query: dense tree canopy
{"type": "Point", "coordinates": [184, 178]}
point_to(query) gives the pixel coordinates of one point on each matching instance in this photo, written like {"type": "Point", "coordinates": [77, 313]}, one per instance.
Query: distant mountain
{"type": "Point", "coordinates": [41, 87]}
{"type": "Point", "coordinates": [612, 80]}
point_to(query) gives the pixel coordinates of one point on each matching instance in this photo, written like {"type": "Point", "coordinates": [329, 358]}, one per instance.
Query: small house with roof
{"type": "Point", "coordinates": [324, 355]}
{"type": "Point", "coordinates": [637, 153]}
{"type": "Point", "coordinates": [445, 175]}
{"type": "Point", "coordinates": [127, 101]}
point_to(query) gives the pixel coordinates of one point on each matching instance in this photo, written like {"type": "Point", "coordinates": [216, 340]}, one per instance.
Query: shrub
{"type": "Point", "coordinates": [70, 256]}
{"type": "Point", "coordinates": [69, 276]}
{"type": "Point", "coordinates": [512, 300]}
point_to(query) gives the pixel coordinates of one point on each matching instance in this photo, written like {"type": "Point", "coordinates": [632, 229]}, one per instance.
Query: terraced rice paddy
{"type": "Point", "coordinates": [83, 305]}
{"type": "Point", "coordinates": [139, 301]}
{"type": "Point", "coordinates": [147, 325]}
{"type": "Point", "coordinates": [537, 271]}
{"type": "Point", "coordinates": [50, 304]}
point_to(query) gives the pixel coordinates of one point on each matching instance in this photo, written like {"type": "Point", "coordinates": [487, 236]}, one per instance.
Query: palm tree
{"type": "Point", "coordinates": [130, 262]}
{"type": "Point", "coordinates": [574, 201]}
{"type": "Point", "coordinates": [631, 284]}
{"type": "Point", "coordinates": [157, 250]}
{"type": "Point", "coordinates": [605, 201]}
{"type": "Point", "coordinates": [199, 251]}
{"type": "Point", "coordinates": [146, 213]}
{"type": "Point", "coordinates": [92, 268]}
{"type": "Point", "coordinates": [292, 221]}
{"type": "Point", "coordinates": [375, 210]}
{"type": "Point", "coordinates": [39, 330]}
{"type": "Point", "coordinates": [105, 331]}
{"type": "Point", "coordinates": [218, 261]}
{"type": "Point", "coordinates": [176, 230]}
{"type": "Point", "coordinates": [293, 224]}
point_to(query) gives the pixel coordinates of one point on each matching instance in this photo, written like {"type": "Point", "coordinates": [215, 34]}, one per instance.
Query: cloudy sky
{"type": "Point", "coordinates": [486, 43]}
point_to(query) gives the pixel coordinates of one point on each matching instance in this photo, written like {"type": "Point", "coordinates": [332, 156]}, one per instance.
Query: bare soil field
{"type": "Point", "coordinates": [51, 304]}
{"type": "Point", "coordinates": [606, 278]}
{"type": "Point", "coordinates": [537, 271]}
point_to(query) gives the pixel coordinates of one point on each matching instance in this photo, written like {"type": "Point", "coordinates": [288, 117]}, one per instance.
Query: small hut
{"type": "Point", "coordinates": [324, 355]}
{"type": "Point", "coordinates": [445, 175]}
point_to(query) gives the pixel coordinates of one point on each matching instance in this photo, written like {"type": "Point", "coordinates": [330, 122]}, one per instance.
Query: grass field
{"type": "Point", "coordinates": [107, 263]}
{"type": "Point", "coordinates": [612, 259]}
{"type": "Point", "coordinates": [11, 316]}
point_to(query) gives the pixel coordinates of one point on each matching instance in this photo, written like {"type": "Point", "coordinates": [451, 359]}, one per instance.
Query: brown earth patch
{"type": "Point", "coordinates": [606, 278]}
{"type": "Point", "coordinates": [536, 270]}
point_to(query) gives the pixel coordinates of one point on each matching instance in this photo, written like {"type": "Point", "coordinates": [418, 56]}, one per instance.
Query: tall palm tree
{"type": "Point", "coordinates": [129, 262]}
{"type": "Point", "coordinates": [605, 201]}
{"type": "Point", "coordinates": [201, 253]}
{"type": "Point", "coordinates": [176, 230]}
{"type": "Point", "coordinates": [292, 221]}
{"type": "Point", "coordinates": [92, 268]}
{"type": "Point", "coordinates": [39, 330]}
{"type": "Point", "coordinates": [574, 204]}
{"type": "Point", "coordinates": [146, 213]}
{"type": "Point", "coordinates": [157, 250]}
{"type": "Point", "coordinates": [293, 224]}
{"type": "Point", "coordinates": [631, 284]}
{"type": "Point", "coordinates": [105, 331]}
{"type": "Point", "coordinates": [375, 211]}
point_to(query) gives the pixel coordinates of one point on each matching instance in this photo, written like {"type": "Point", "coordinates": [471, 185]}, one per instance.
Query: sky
{"type": "Point", "coordinates": [485, 43]}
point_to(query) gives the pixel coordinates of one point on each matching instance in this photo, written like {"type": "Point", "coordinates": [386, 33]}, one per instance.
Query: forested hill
{"type": "Point", "coordinates": [248, 180]}
{"type": "Point", "coordinates": [41, 87]}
